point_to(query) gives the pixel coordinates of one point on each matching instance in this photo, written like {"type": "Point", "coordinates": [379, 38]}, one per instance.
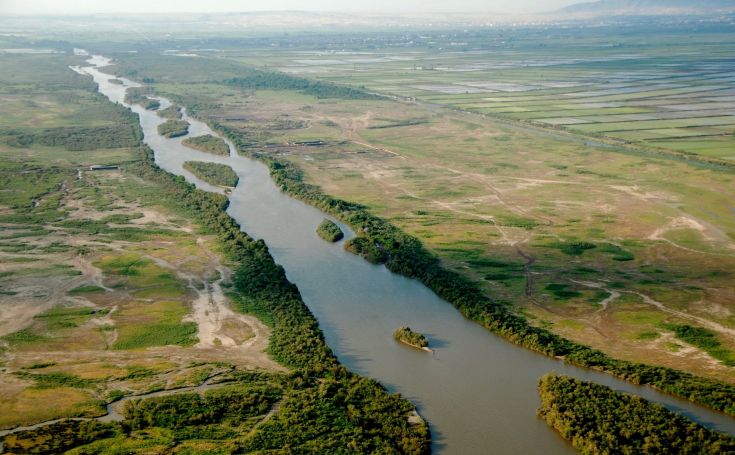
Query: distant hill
{"type": "Point", "coordinates": [644, 7]}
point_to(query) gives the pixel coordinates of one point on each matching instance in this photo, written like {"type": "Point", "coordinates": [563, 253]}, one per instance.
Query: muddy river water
{"type": "Point", "coordinates": [477, 391]}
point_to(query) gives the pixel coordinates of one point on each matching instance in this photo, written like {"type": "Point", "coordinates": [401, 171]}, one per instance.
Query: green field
{"type": "Point", "coordinates": [598, 82]}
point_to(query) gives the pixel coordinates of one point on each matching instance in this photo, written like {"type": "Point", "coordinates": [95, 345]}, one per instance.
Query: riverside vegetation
{"type": "Point", "coordinates": [599, 420]}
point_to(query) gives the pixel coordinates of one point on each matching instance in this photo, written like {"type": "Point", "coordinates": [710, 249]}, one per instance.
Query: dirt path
{"type": "Point", "coordinates": [705, 322]}
{"type": "Point", "coordinates": [605, 303]}
{"type": "Point", "coordinates": [530, 260]}
{"type": "Point", "coordinates": [689, 222]}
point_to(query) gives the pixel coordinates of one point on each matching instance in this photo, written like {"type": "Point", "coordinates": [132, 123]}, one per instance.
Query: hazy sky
{"type": "Point", "coordinates": [377, 6]}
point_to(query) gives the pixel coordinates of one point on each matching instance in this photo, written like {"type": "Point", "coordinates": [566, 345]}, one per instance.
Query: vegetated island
{"type": "Point", "coordinates": [151, 104]}
{"type": "Point", "coordinates": [208, 143]}
{"type": "Point", "coordinates": [173, 128]}
{"type": "Point", "coordinates": [329, 231]}
{"type": "Point", "coordinates": [172, 112]}
{"type": "Point", "coordinates": [597, 419]}
{"type": "Point", "coordinates": [213, 173]}
{"type": "Point", "coordinates": [139, 95]}
{"type": "Point", "coordinates": [414, 339]}
{"type": "Point", "coordinates": [115, 81]}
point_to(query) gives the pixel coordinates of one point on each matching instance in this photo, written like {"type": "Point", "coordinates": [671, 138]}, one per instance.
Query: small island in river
{"type": "Point", "coordinates": [414, 339]}
{"type": "Point", "coordinates": [329, 231]}
{"type": "Point", "coordinates": [213, 173]}
{"type": "Point", "coordinates": [173, 128]}
{"type": "Point", "coordinates": [172, 112]}
{"type": "Point", "coordinates": [208, 144]}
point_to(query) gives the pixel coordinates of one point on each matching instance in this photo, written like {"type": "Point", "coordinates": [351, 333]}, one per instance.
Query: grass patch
{"type": "Point", "coordinates": [142, 325]}
{"type": "Point", "coordinates": [56, 379]}
{"type": "Point", "coordinates": [23, 336]}
{"type": "Point", "coordinates": [703, 339]}
{"type": "Point", "coordinates": [86, 289]}
{"type": "Point", "coordinates": [574, 248]}
{"type": "Point", "coordinates": [648, 335]}
{"type": "Point", "coordinates": [158, 334]}
{"type": "Point", "coordinates": [61, 317]}
{"type": "Point", "coordinates": [562, 292]}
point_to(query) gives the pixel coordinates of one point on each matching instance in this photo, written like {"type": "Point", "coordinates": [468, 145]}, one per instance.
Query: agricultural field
{"type": "Point", "coordinates": [631, 253]}
{"type": "Point", "coordinates": [659, 94]}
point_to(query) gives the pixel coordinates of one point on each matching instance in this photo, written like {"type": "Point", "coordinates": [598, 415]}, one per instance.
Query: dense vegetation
{"type": "Point", "coordinates": [329, 231]}
{"type": "Point", "coordinates": [408, 336]}
{"type": "Point", "coordinates": [57, 437]}
{"type": "Point", "coordinates": [599, 420]}
{"type": "Point", "coordinates": [125, 132]}
{"type": "Point", "coordinates": [234, 404]}
{"type": "Point", "coordinates": [173, 128]}
{"type": "Point", "coordinates": [213, 173]}
{"type": "Point", "coordinates": [208, 143]}
{"type": "Point", "coordinates": [263, 80]}
{"type": "Point", "coordinates": [381, 242]}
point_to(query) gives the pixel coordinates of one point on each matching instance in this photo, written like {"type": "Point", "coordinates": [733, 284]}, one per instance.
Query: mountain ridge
{"type": "Point", "coordinates": [620, 7]}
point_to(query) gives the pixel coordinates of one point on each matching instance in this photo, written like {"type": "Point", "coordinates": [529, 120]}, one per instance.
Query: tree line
{"type": "Point", "coordinates": [598, 420]}
{"type": "Point", "coordinates": [270, 80]}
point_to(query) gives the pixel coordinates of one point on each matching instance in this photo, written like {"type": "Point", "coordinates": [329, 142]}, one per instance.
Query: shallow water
{"type": "Point", "coordinates": [477, 390]}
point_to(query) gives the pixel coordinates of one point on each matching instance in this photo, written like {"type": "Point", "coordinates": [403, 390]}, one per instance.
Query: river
{"type": "Point", "coordinates": [477, 391]}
